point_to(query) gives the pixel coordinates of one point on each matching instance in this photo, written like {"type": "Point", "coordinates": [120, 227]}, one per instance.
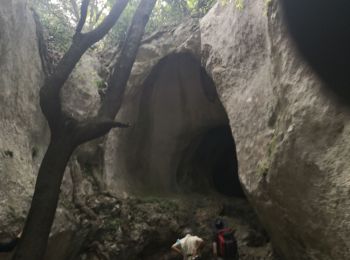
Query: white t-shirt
{"type": "Point", "coordinates": [189, 245]}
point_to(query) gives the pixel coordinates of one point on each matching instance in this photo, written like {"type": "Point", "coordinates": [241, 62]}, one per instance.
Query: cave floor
{"type": "Point", "coordinates": [146, 227]}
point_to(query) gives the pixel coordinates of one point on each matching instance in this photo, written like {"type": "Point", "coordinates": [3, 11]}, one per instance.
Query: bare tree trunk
{"type": "Point", "coordinates": [33, 242]}
{"type": "Point", "coordinates": [66, 132]}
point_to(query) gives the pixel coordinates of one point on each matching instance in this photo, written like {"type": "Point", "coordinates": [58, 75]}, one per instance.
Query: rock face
{"type": "Point", "coordinates": [24, 133]}
{"type": "Point", "coordinates": [22, 126]}
{"type": "Point", "coordinates": [171, 105]}
{"type": "Point", "coordinates": [80, 93]}
{"type": "Point", "coordinates": [292, 138]}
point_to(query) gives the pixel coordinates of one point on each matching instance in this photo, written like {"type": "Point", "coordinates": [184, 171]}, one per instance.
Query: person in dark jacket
{"type": "Point", "coordinates": [220, 226]}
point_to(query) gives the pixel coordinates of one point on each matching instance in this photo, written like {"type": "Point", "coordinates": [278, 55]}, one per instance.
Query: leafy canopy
{"type": "Point", "coordinates": [59, 17]}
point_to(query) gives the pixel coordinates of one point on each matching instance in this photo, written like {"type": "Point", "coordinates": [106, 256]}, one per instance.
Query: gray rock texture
{"type": "Point", "coordinates": [23, 134]}
{"type": "Point", "coordinates": [80, 93]}
{"type": "Point", "coordinates": [128, 229]}
{"type": "Point", "coordinates": [292, 138]}
{"type": "Point", "coordinates": [169, 106]}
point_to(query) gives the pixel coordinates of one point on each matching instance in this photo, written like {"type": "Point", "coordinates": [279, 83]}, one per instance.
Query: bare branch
{"type": "Point", "coordinates": [95, 128]}
{"type": "Point", "coordinates": [83, 14]}
{"type": "Point", "coordinates": [98, 15]}
{"type": "Point", "coordinates": [96, 34]}
{"type": "Point", "coordinates": [84, 41]}
{"type": "Point", "coordinates": [50, 93]}
{"type": "Point", "coordinates": [75, 9]}
{"type": "Point", "coordinates": [119, 78]}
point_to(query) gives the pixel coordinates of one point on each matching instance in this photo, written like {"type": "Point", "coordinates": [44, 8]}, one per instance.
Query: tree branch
{"type": "Point", "coordinates": [75, 9]}
{"type": "Point", "coordinates": [83, 14]}
{"type": "Point", "coordinates": [101, 30]}
{"type": "Point", "coordinates": [98, 15]}
{"type": "Point", "coordinates": [83, 42]}
{"type": "Point", "coordinates": [94, 128]}
{"type": "Point", "coordinates": [118, 80]}
{"type": "Point", "coordinates": [49, 93]}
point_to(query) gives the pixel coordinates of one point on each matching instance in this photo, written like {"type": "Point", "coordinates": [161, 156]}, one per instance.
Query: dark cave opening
{"type": "Point", "coordinates": [210, 161]}
{"type": "Point", "coordinates": [211, 164]}
{"type": "Point", "coordinates": [181, 137]}
{"type": "Point", "coordinates": [219, 147]}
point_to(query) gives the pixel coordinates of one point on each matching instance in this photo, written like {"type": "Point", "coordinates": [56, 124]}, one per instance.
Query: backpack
{"type": "Point", "coordinates": [227, 243]}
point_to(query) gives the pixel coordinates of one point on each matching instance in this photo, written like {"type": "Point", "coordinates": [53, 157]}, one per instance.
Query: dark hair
{"type": "Point", "coordinates": [219, 224]}
{"type": "Point", "coordinates": [186, 231]}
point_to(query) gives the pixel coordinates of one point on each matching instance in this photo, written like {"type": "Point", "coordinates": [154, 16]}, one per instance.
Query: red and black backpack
{"type": "Point", "coordinates": [227, 244]}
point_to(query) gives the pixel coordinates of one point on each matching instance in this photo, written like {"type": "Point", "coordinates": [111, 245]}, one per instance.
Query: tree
{"type": "Point", "coordinates": [68, 133]}
{"type": "Point", "coordinates": [60, 17]}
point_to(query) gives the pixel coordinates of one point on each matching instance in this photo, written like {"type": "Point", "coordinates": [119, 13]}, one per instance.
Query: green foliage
{"type": "Point", "coordinates": [265, 164]}
{"type": "Point", "coordinates": [266, 4]}
{"type": "Point", "coordinates": [112, 223]}
{"type": "Point", "coordinates": [57, 21]}
{"type": "Point", "coordinates": [101, 84]}
{"type": "Point", "coordinates": [163, 203]}
{"type": "Point", "coordinates": [61, 17]}
{"type": "Point", "coordinates": [239, 4]}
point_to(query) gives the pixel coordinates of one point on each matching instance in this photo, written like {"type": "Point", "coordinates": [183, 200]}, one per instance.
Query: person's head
{"type": "Point", "coordinates": [186, 231]}
{"type": "Point", "coordinates": [219, 224]}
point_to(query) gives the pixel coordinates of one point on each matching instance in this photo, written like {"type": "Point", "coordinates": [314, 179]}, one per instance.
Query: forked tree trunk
{"type": "Point", "coordinates": [67, 133]}
{"type": "Point", "coordinates": [33, 242]}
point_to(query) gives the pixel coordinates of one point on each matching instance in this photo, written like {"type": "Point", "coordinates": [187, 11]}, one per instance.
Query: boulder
{"type": "Point", "coordinates": [292, 138]}
{"type": "Point", "coordinates": [170, 104]}
{"type": "Point", "coordinates": [23, 131]}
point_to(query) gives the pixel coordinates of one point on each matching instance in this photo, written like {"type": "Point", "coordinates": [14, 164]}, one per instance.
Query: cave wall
{"type": "Point", "coordinates": [22, 127]}
{"type": "Point", "coordinates": [292, 137]}
{"type": "Point", "coordinates": [174, 108]}
{"type": "Point", "coordinates": [24, 133]}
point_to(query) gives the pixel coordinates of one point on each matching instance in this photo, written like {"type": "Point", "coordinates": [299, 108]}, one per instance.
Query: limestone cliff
{"type": "Point", "coordinates": [22, 126]}
{"type": "Point", "coordinates": [292, 138]}
{"type": "Point", "coordinates": [24, 133]}
{"type": "Point", "coordinates": [171, 105]}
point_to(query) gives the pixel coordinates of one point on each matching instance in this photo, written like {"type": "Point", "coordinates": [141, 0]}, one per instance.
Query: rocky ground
{"type": "Point", "coordinates": [145, 228]}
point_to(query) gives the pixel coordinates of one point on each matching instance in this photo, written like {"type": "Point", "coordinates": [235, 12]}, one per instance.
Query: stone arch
{"type": "Point", "coordinates": [177, 108]}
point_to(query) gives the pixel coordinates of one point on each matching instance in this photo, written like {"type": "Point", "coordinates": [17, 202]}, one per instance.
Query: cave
{"type": "Point", "coordinates": [211, 163]}
{"type": "Point", "coordinates": [181, 140]}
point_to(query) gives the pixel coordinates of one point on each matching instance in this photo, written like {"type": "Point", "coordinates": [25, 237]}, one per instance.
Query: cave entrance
{"type": "Point", "coordinates": [210, 163]}
{"type": "Point", "coordinates": [181, 139]}
{"type": "Point", "coordinates": [217, 151]}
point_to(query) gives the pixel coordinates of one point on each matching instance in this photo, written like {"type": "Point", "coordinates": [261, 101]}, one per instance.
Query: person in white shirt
{"type": "Point", "coordinates": [189, 246]}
